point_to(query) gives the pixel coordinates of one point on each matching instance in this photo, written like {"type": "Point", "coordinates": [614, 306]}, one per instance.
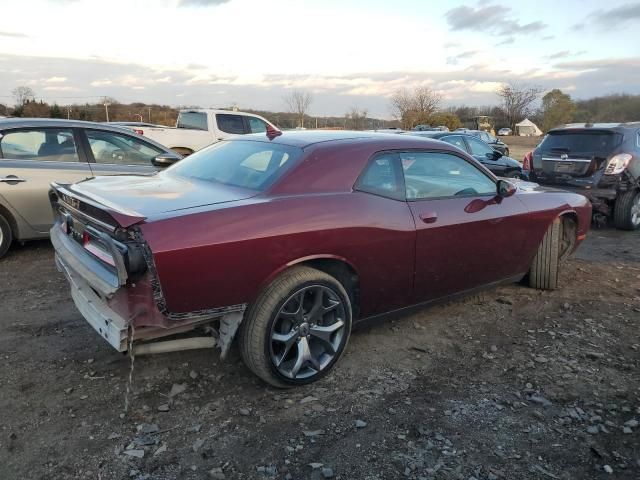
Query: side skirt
{"type": "Point", "coordinates": [405, 311]}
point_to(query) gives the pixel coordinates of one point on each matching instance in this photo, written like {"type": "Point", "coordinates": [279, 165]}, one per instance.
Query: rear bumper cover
{"type": "Point", "coordinates": [107, 323]}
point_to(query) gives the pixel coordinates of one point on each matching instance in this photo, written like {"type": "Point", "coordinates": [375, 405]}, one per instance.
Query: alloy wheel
{"type": "Point", "coordinates": [307, 332]}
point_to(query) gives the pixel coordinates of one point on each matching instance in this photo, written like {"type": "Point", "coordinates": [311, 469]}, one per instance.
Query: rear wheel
{"type": "Point", "coordinates": [544, 269]}
{"type": "Point", "coordinates": [514, 174]}
{"type": "Point", "coordinates": [626, 214]}
{"type": "Point", "coordinates": [6, 236]}
{"type": "Point", "coordinates": [297, 329]}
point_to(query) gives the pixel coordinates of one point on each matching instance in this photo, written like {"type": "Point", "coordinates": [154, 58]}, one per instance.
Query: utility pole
{"type": "Point", "coordinates": [106, 110]}
{"type": "Point", "coordinates": [149, 115]}
{"type": "Point", "coordinates": [68, 113]}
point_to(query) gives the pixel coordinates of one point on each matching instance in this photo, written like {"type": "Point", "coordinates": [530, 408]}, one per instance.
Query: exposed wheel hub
{"type": "Point", "coordinates": [304, 330]}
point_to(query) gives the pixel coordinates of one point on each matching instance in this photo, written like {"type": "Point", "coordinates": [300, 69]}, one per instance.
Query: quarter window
{"type": "Point", "coordinates": [113, 148]}
{"type": "Point", "coordinates": [440, 174]}
{"type": "Point", "coordinates": [382, 177]}
{"type": "Point", "coordinates": [230, 123]}
{"type": "Point", "coordinates": [48, 144]}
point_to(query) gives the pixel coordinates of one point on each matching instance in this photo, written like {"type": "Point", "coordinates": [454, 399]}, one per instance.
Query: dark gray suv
{"type": "Point", "coordinates": [600, 161]}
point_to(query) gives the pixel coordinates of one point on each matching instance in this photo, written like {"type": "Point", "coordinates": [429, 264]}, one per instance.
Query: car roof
{"type": "Point", "coordinates": [307, 138]}
{"type": "Point", "coordinates": [19, 122]}
{"type": "Point", "coordinates": [618, 126]}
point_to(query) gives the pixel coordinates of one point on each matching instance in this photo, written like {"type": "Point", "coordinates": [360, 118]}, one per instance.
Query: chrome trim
{"type": "Point", "coordinates": [558, 159]}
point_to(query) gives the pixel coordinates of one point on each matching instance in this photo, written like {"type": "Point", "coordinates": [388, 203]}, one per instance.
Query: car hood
{"type": "Point", "coordinates": [146, 195]}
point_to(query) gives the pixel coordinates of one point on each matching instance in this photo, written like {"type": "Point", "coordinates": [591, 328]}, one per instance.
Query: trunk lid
{"type": "Point", "coordinates": [134, 197]}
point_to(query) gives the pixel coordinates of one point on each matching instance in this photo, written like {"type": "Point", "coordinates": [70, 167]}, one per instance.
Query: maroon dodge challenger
{"type": "Point", "coordinates": [290, 239]}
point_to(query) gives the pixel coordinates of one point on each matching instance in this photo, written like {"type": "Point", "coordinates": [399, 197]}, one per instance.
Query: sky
{"type": "Point", "coordinates": [347, 53]}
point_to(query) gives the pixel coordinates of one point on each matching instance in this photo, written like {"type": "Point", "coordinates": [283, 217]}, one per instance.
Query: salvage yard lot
{"type": "Point", "coordinates": [514, 383]}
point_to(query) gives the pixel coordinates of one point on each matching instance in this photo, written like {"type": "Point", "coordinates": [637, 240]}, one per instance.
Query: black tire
{"type": "Point", "coordinates": [514, 174]}
{"type": "Point", "coordinates": [506, 152]}
{"type": "Point", "coordinates": [626, 213]}
{"type": "Point", "coordinates": [6, 236]}
{"type": "Point", "coordinates": [544, 269]}
{"type": "Point", "coordinates": [255, 335]}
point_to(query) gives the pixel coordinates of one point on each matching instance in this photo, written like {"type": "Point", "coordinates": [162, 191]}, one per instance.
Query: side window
{"type": "Point", "coordinates": [456, 140]}
{"type": "Point", "coordinates": [256, 125]}
{"type": "Point", "coordinates": [478, 147]}
{"type": "Point", "coordinates": [440, 174]}
{"type": "Point", "coordinates": [47, 144]}
{"type": "Point", "coordinates": [230, 123]}
{"type": "Point", "coordinates": [114, 148]}
{"type": "Point", "coordinates": [382, 177]}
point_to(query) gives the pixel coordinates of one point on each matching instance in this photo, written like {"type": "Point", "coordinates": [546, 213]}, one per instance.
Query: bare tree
{"type": "Point", "coordinates": [412, 107]}
{"type": "Point", "coordinates": [357, 118]}
{"type": "Point", "coordinates": [23, 94]}
{"type": "Point", "coordinates": [516, 101]}
{"type": "Point", "coordinates": [298, 102]}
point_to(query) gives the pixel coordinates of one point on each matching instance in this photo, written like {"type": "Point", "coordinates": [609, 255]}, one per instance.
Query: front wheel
{"type": "Point", "coordinates": [297, 329]}
{"type": "Point", "coordinates": [543, 274]}
{"type": "Point", "coordinates": [626, 214]}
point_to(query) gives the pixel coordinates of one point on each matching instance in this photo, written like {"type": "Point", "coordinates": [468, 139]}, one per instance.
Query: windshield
{"type": "Point", "coordinates": [192, 120]}
{"type": "Point", "coordinates": [589, 142]}
{"type": "Point", "coordinates": [241, 163]}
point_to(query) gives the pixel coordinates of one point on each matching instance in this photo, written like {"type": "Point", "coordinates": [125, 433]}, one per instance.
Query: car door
{"type": "Point", "coordinates": [466, 236]}
{"type": "Point", "coordinates": [485, 155]}
{"type": "Point", "coordinates": [112, 153]}
{"type": "Point", "coordinates": [32, 158]}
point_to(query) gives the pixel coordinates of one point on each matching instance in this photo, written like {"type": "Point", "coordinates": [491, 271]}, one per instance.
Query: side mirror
{"type": "Point", "coordinates": [505, 189]}
{"type": "Point", "coordinates": [495, 155]}
{"type": "Point", "coordinates": [165, 160]}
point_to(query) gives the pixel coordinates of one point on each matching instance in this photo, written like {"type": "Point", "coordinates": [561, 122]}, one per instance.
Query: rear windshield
{"type": "Point", "coordinates": [592, 142]}
{"type": "Point", "coordinates": [246, 164]}
{"type": "Point", "coordinates": [192, 120]}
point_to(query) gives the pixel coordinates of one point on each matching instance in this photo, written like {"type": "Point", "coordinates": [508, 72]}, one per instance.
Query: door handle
{"type": "Point", "coordinates": [12, 178]}
{"type": "Point", "coordinates": [430, 217]}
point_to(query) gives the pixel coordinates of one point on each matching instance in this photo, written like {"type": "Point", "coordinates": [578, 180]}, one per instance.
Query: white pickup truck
{"type": "Point", "coordinates": [197, 128]}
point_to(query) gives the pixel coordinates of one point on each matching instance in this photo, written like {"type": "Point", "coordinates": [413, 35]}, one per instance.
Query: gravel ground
{"type": "Point", "coordinates": [513, 384]}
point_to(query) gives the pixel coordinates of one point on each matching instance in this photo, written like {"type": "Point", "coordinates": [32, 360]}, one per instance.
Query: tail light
{"type": "Point", "coordinates": [138, 131]}
{"type": "Point", "coordinates": [527, 164]}
{"type": "Point", "coordinates": [618, 163]}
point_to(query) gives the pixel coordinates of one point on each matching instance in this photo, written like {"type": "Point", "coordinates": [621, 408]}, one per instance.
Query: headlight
{"type": "Point", "coordinates": [618, 163]}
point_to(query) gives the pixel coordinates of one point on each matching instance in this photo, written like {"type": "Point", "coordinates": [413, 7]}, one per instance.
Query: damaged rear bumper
{"type": "Point", "coordinates": [107, 323]}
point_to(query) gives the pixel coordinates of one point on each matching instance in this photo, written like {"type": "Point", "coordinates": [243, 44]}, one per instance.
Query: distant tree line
{"type": "Point", "coordinates": [410, 108]}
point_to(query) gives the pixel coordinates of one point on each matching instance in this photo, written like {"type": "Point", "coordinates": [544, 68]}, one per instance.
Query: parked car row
{"type": "Point", "coordinates": [271, 235]}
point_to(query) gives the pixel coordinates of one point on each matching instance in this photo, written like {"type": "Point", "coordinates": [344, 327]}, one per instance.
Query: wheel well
{"type": "Point", "coordinates": [344, 273]}
{"type": "Point", "coordinates": [12, 222]}
{"type": "Point", "coordinates": [569, 232]}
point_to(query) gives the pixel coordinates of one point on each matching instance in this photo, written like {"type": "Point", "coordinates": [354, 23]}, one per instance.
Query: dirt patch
{"type": "Point", "coordinates": [513, 384]}
{"type": "Point", "coordinates": [520, 146]}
